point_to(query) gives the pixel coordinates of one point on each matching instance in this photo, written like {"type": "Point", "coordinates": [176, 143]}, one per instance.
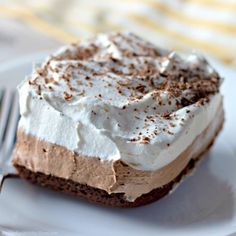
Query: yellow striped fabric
{"type": "Point", "coordinates": [208, 26]}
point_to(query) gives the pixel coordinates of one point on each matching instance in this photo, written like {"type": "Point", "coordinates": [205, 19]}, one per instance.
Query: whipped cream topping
{"type": "Point", "coordinates": [118, 97]}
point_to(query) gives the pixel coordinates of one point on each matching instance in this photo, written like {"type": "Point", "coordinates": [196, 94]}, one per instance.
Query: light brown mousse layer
{"type": "Point", "coordinates": [113, 177]}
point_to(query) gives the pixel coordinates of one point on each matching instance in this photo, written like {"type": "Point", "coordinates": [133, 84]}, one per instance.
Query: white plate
{"type": "Point", "coordinates": [204, 204]}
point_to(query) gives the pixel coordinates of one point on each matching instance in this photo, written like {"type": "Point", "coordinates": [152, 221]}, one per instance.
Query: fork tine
{"type": "Point", "coordinates": [11, 125]}
{"type": "Point", "coordinates": [9, 114]}
{"type": "Point", "coordinates": [2, 178]}
{"type": "Point", "coordinates": [8, 118]}
{"type": "Point", "coordinates": [4, 113]}
{"type": "Point", "coordinates": [1, 96]}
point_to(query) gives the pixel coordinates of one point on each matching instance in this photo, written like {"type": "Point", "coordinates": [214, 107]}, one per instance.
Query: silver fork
{"type": "Point", "coordinates": [9, 116]}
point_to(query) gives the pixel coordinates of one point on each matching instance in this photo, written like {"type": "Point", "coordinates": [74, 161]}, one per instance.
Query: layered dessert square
{"type": "Point", "coordinates": [116, 120]}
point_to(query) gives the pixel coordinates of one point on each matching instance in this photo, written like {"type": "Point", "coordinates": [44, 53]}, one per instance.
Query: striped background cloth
{"type": "Point", "coordinates": [209, 26]}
